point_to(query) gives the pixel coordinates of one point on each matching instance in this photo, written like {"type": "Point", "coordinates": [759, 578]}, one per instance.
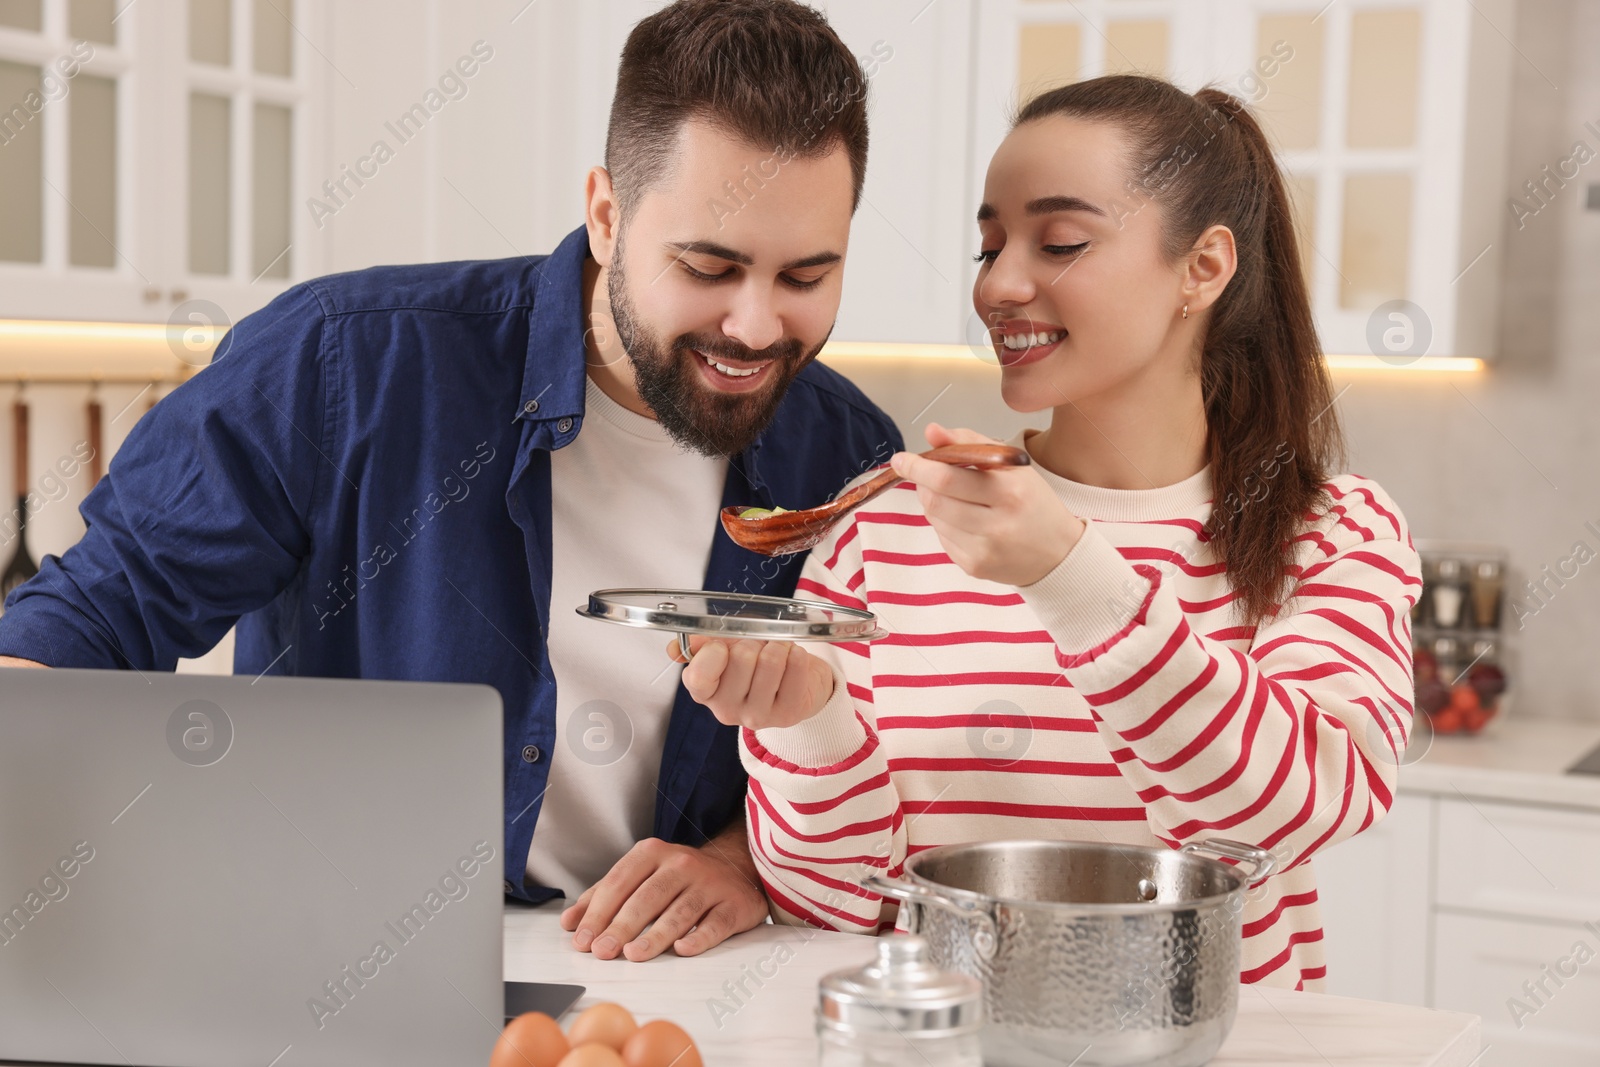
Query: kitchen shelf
{"type": "Point", "coordinates": [70, 352]}
{"type": "Point", "coordinates": [1335, 361]}
{"type": "Point", "coordinates": [39, 352]}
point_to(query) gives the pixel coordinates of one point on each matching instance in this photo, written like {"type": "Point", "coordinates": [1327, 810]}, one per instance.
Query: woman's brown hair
{"type": "Point", "coordinates": [1273, 436]}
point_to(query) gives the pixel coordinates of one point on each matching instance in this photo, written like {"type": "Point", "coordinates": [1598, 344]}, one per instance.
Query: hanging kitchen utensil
{"type": "Point", "coordinates": [731, 616]}
{"type": "Point", "coordinates": [95, 416]}
{"type": "Point", "coordinates": [22, 565]}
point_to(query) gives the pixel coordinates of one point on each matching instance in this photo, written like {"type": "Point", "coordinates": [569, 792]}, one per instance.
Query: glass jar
{"type": "Point", "coordinates": [1447, 600]}
{"type": "Point", "coordinates": [899, 1009]}
{"type": "Point", "coordinates": [1488, 582]}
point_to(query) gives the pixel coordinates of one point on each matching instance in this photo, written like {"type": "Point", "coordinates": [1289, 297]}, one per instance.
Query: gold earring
{"type": "Point", "coordinates": [1186, 311]}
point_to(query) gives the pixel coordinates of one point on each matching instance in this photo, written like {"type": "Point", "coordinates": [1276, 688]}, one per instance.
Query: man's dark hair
{"type": "Point", "coordinates": [771, 73]}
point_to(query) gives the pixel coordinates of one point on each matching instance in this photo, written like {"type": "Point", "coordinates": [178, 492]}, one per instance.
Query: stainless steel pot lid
{"type": "Point", "coordinates": [731, 615]}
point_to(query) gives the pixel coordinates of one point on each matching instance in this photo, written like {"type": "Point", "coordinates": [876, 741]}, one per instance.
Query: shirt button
{"type": "Point", "coordinates": [530, 407]}
{"type": "Point", "coordinates": [508, 887]}
{"type": "Point", "coordinates": [530, 754]}
{"type": "Point", "coordinates": [564, 425]}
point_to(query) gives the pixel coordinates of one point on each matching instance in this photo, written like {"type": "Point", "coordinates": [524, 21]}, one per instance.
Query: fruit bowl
{"type": "Point", "coordinates": [1462, 704]}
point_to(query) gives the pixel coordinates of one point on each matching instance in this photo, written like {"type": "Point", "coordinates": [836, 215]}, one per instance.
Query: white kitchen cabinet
{"type": "Point", "coordinates": [906, 279]}
{"type": "Point", "coordinates": [1481, 966]}
{"type": "Point", "coordinates": [1455, 902]}
{"type": "Point", "coordinates": [1390, 117]}
{"type": "Point", "coordinates": [468, 189]}
{"type": "Point", "coordinates": [1519, 859]}
{"type": "Point", "coordinates": [1374, 891]}
{"type": "Point", "coordinates": [160, 162]}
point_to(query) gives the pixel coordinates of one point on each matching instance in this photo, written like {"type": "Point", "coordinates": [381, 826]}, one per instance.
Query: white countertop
{"type": "Point", "coordinates": [1515, 759]}
{"type": "Point", "coordinates": [769, 1021]}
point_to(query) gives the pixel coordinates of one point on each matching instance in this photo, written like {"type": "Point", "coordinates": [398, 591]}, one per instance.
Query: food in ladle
{"type": "Point", "coordinates": [762, 513]}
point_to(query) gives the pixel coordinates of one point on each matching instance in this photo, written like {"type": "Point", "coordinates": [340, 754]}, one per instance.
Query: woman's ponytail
{"type": "Point", "coordinates": [1273, 435]}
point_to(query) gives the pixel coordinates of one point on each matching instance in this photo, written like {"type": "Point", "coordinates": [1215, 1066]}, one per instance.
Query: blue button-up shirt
{"type": "Point", "coordinates": [361, 481]}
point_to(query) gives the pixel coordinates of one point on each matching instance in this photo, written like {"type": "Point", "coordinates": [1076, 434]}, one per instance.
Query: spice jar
{"type": "Point", "coordinates": [1487, 583]}
{"type": "Point", "coordinates": [1447, 598]}
{"type": "Point", "coordinates": [899, 1009]}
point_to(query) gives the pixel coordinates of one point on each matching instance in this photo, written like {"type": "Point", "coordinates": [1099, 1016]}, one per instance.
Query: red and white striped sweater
{"type": "Point", "coordinates": [1118, 699]}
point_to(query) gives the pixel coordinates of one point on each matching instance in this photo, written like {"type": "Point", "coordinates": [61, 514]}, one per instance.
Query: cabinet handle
{"type": "Point", "coordinates": [179, 295]}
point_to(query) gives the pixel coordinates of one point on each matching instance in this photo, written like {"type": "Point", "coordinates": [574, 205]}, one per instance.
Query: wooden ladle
{"type": "Point", "coordinates": [796, 531]}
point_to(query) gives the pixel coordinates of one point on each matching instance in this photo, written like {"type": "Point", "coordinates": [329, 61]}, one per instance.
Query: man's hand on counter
{"type": "Point", "coordinates": [7, 661]}
{"type": "Point", "coordinates": [690, 898]}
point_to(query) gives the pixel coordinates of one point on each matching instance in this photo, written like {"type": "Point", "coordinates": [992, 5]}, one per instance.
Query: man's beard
{"type": "Point", "coordinates": [703, 421]}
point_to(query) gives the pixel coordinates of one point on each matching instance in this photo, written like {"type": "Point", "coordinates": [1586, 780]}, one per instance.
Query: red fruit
{"type": "Point", "coordinates": [1433, 696]}
{"type": "Point", "coordinates": [1488, 679]}
{"type": "Point", "coordinates": [1447, 721]}
{"type": "Point", "coordinates": [1464, 698]}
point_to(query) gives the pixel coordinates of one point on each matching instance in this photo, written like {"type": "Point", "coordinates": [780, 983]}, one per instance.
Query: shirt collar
{"type": "Point", "coordinates": [553, 377]}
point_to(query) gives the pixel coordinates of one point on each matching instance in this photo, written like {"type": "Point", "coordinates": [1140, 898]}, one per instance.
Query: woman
{"type": "Point", "coordinates": [1176, 624]}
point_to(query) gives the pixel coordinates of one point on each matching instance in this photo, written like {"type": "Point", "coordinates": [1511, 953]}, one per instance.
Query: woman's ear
{"type": "Point", "coordinates": [1209, 267]}
{"type": "Point", "coordinates": [602, 215]}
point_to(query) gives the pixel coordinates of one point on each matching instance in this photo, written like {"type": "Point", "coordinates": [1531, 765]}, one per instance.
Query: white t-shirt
{"type": "Point", "coordinates": [629, 508]}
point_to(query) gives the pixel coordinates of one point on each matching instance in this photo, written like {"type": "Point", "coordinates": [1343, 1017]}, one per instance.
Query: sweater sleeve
{"type": "Point", "coordinates": [1292, 746]}
{"type": "Point", "coordinates": [821, 810]}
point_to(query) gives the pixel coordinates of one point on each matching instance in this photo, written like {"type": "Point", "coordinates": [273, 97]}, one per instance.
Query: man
{"type": "Point", "coordinates": [420, 472]}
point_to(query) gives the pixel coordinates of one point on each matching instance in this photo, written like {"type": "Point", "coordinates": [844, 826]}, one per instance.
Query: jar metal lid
{"type": "Point", "coordinates": [901, 991]}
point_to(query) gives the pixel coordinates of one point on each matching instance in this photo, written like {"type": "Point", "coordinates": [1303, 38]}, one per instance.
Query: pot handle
{"type": "Point", "coordinates": [984, 939]}
{"type": "Point", "coordinates": [1261, 861]}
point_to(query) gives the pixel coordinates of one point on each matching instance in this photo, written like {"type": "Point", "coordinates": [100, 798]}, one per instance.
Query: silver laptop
{"type": "Point", "coordinates": [215, 872]}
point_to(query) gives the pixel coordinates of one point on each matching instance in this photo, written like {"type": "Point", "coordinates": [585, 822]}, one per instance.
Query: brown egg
{"type": "Point", "coordinates": [661, 1044]}
{"type": "Point", "coordinates": [530, 1040]}
{"type": "Point", "coordinates": [592, 1055]}
{"type": "Point", "coordinates": [604, 1024]}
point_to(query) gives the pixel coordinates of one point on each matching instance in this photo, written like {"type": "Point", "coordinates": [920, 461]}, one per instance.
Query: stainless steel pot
{"type": "Point", "coordinates": [1093, 954]}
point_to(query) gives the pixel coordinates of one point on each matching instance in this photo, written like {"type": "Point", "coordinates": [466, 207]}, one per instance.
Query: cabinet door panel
{"type": "Point", "coordinates": [1374, 894]}
{"type": "Point", "coordinates": [1519, 859]}
{"type": "Point", "coordinates": [905, 277]}
{"type": "Point", "coordinates": [22, 14]}
{"type": "Point", "coordinates": [21, 166]}
{"type": "Point", "coordinates": [1481, 965]}
{"type": "Point", "coordinates": [157, 156]}
{"type": "Point", "coordinates": [92, 173]}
